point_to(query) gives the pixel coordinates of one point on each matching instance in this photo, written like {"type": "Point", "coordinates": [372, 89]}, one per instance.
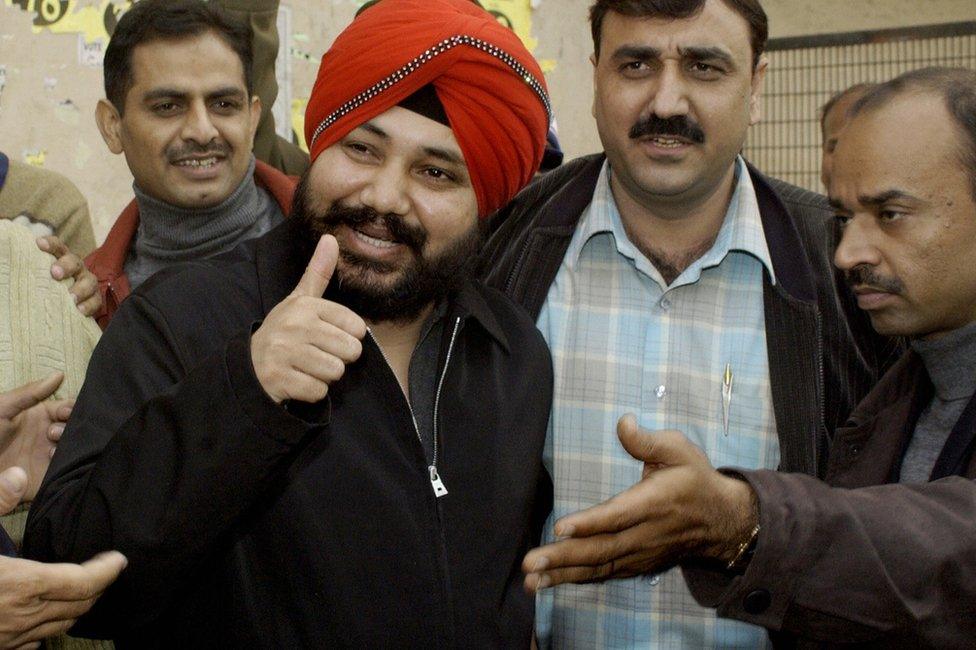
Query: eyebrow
{"type": "Point", "coordinates": [446, 155]}
{"type": "Point", "coordinates": [375, 130]}
{"type": "Point", "coordinates": [695, 53]}
{"type": "Point", "coordinates": [440, 153]}
{"type": "Point", "coordinates": [170, 93]}
{"type": "Point", "coordinates": [641, 52]}
{"type": "Point", "coordinates": [875, 200]}
{"type": "Point", "coordinates": [707, 54]}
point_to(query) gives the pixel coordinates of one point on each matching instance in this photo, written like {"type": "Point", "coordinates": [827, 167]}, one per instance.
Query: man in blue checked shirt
{"type": "Point", "coordinates": [674, 281]}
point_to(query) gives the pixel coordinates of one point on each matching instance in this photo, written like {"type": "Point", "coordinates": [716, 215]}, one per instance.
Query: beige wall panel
{"type": "Point", "coordinates": [799, 18]}
{"type": "Point", "coordinates": [48, 98]}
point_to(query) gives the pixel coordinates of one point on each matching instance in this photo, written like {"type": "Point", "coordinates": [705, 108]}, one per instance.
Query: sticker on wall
{"type": "Point", "coordinates": [68, 113]}
{"type": "Point", "coordinates": [92, 53]}
{"type": "Point", "coordinates": [93, 19]}
{"type": "Point", "coordinates": [283, 74]}
{"type": "Point", "coordinates": [35, 157]}
{"type": "Point", "coordinates": [517, 16]}
{"type": "Point", "coordinates": [298, 122]}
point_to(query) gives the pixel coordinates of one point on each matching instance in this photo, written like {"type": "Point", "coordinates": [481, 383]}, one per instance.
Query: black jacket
{"type": "Point", "coordinates": [249, 525]}
{"type": "Point", "coordinates": [823, 354]}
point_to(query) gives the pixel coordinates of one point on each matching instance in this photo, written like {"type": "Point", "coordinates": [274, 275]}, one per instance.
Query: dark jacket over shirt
{"type": "Point", "coordinates": [851, 559]}
{"type": "Point", "coordinates": [823, 354]}
{"type": "Point", "coordinates": [251, 525]}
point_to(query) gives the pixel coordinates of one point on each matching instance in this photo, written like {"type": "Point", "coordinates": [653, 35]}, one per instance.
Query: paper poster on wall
{"type": "Point", "coordinates": [517, 16]}
{"type": "Point", "coordinates": [93, 19]}
{"type": "Point", "coordinates": [282, 106]}
{"type": "Point", "coordinates": [90, 54]}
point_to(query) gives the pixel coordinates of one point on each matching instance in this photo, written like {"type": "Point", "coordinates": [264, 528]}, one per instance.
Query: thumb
{"type": "Point", "coordinates": [20, 399]}
{"type": "Point", "coordinates": [659, 449]}
{"type": "Point", "coordinates": [319, 271]}
{"type": "Point", "coordinates": [13, 485]}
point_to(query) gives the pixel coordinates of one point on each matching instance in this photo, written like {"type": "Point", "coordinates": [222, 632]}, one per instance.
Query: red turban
{"type": "Point", "coordinates": [492, 89]}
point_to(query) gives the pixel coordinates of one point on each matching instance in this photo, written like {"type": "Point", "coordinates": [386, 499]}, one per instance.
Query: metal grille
{"type": "Point", "coordinates": [805, 72]}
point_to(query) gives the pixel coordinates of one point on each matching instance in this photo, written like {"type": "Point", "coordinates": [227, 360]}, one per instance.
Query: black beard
{"type": "Point", "coordinates": [424, 282]}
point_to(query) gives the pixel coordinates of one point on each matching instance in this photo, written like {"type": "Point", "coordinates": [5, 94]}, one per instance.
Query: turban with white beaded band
{"type": "Point", "coordinates": [491, 88]}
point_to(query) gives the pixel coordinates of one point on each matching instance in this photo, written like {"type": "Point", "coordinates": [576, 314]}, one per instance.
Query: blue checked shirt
{"type": "Point", "coordinates": [623, 341]}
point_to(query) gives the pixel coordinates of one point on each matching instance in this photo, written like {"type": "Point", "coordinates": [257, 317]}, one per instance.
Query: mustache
{"type": "Point", "coordinates": [863, 274]}
{"type": "Point", "coordinates": [413, 237]}
{"type": "Point", "coordinates": [212, 148]}
{"type": "Point", "coordinates": [677, 125]}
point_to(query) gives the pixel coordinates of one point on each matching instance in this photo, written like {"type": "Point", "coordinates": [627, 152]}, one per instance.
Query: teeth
{"type": "Point", "coordinates": [206, 162]}
{"type": "Point", "coordinates": [373, 241]}
{"type": "Point", "coordinates": [667, 142]}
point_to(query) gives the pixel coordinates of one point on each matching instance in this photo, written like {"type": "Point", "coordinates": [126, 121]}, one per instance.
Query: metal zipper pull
{"type": "Point", "coordinates": [436, 482]}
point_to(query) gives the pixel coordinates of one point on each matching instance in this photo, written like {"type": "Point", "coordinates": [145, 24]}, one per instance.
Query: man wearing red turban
{"type": "Point", "coordinates": [338, 442]}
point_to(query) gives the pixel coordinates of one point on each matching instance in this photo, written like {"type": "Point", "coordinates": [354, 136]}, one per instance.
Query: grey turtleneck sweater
{"type": "Point", "coordinates": [951, 363]}
{"type": "Point", "coordinates": [168, 234]}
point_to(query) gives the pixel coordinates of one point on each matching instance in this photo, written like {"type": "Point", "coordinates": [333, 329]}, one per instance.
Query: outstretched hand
{"type": "Point", "coordinates": [305, 342]}
{"type": "Point", "coordinates": [30, 428]}
{"type": "Point", "coordinates": [39, 600]}
{"type": "Point", "coordinates": [681, 508]}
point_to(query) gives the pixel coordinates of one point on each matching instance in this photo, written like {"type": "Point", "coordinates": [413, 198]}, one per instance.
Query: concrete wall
{"type": "Point", "coordinates": [50, 79]}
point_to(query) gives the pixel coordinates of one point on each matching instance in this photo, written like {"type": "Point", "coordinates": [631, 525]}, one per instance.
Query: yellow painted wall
{"type": "Point", "coordinates": [49, 85]}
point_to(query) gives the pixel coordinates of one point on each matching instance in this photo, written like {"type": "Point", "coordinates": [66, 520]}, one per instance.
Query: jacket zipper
{"type": "Point", "coordinates": [435, 480]}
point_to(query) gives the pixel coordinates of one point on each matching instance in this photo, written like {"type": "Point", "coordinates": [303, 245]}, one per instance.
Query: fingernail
{"type": "Point", "coordinates": [565, 530]}
{"type": "Point", "coordinates": [57, 429]}
{"type": "Point", "coordinates": [544, 582]}
{"type": "Point", "coordinates": [57, 272]}
{"type": "Point", "coordinates": [75, 298]}
{"type": "Point", "coordinates": [541, 564]}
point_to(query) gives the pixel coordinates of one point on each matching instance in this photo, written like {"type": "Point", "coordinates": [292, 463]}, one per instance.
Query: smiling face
{"type": "Point", "coordinates": [674, 99]}
{"type": "Point", "coordinates": [905, 203]}
{"type": "Point", "coordinates": [396, 194]}
{"type": "Point", "coordinates": [188, 124]}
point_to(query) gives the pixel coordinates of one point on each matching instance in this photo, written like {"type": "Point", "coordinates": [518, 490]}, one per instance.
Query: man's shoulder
{"type": "Point", "coordinates": [798, 196]}
{"type": "Point", "coordinates": [802, 204]}
{"type": "Point", "coordinates": [543, 188]}
{"type": "Point", "coordinates": [518, 327]}
{"type": "Point", "coordinates": [205, 290]}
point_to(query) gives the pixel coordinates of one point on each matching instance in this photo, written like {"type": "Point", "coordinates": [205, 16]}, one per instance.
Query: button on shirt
{"type": "Point", "coordinates": [623, 341]}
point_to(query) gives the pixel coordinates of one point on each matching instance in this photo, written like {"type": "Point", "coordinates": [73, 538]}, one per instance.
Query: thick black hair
{"type": "Point", "coordinates": [751, 10]}
{"type": "Point", "coordinates": [169, 20]}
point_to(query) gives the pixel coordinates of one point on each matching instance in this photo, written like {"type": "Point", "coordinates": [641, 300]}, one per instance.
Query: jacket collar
{"type": "Point", "coordinates": [562, 211]}
{"type": "Point", "coordinates": [282, 255]}
{"type": "Point", "coordinates": [790, 262]}
{"type": "Point", "coordinates": [869, 447]}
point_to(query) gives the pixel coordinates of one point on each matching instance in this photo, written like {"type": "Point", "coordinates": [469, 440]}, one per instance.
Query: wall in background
{"type": "Point", "coordinates": [50, 76]}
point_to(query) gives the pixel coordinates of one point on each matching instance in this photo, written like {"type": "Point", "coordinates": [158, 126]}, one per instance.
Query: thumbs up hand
{"type": "Point", "coordinates": [305, 342]}
{"type": "Point", "coordinates": [681, 509]}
